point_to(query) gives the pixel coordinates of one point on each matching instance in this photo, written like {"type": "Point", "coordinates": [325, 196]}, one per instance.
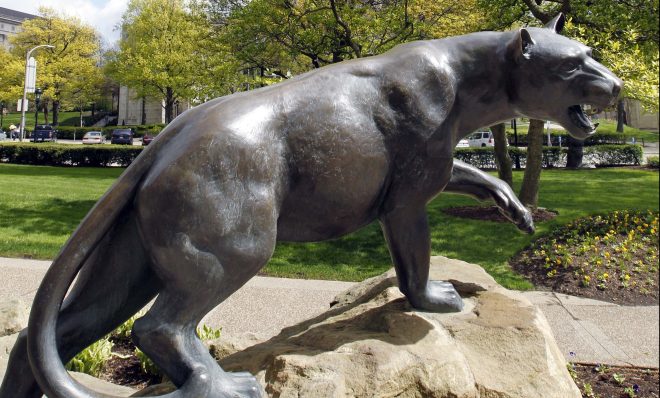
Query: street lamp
{"type": "Point", "coordinates": [27, 60]}
{"type": "Point", "coordinates": [37, 100]}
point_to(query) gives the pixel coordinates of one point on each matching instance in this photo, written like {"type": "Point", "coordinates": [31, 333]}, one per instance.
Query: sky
{"type": "Point", "coordinates": [103, 15]}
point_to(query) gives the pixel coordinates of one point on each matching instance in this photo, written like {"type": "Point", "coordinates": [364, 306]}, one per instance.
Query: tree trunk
{"type": "Point", "coordinates": [44, 108]}
{"type": "Point", "coordinates": [56, 112]}
{"type": "Point", "coordinates": [143, 118]}
{"type": "Point", "coordinates": [81, 117]}
{"type": "Point", "coordinates": [529, 192]}
{"type": "Point", "coordinates": [502, 157]}
{"type": "Point", "coordinates": [575, 152]}
{"type": "Point", "coordinates": [620, 116]}
{"type": "Point", "coordinates": [169, 104]}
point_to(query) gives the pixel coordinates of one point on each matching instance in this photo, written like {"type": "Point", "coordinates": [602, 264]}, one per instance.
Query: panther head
{"type": "Point", "coordinates": [552, 77]}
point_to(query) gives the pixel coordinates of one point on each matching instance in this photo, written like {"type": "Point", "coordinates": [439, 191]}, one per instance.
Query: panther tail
{"type": "Point", "coordinates": [42, 345]}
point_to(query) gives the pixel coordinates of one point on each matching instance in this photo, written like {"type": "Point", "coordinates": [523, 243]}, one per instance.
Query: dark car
{"type": "Point", "coordinates": [122, 136]}
{"type": "Point", "coordinates": [44, 132]}
{"type": "Point", "coordinates": [146, 140]}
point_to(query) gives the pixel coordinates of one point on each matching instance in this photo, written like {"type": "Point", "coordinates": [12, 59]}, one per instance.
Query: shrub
{"type": "Point", "coordinates": [92, 359]}
{"type": "Point", "coordinates": [599, 138]}
{"type": "Point", "coordinates": [600, 155]}
{"type": "Point", "coordinates": [47, 154]}
{"type": "Point", "coordinates": [653, 162]}
{"type": "Point", "coordinates": [614, 155]}
{"type": "Point", "coordinates": [484, 158]}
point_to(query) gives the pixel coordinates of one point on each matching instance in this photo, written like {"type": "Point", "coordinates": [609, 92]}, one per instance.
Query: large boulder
{"type": "Point", "coordinates": [371, 343]}
{"type": "Point", "coordinates": [13, 317]}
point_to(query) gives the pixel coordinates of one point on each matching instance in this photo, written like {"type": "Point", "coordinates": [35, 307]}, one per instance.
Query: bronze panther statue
{"type": "Point", "coordinates": [312, 158]}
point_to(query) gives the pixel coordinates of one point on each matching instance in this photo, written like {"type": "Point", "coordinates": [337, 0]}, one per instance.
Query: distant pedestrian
{"type": "Point", "coordinates": [13, 132]}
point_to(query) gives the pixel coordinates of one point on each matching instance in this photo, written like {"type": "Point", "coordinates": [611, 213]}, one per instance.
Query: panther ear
{"type": "Point", "coordinates": [557, 23]}
{"type": "Point", "coordinates": [521, 45]}
{"type": "Point", "coordinates": [526, 42]}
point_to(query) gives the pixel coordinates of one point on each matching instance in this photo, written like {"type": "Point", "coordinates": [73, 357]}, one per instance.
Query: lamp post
{"type": "Point", "coordinates": [27, 60]}
{"type": "Point", "coordinates": [37, 100]}
{"type": "Point", "coordinates": [2, 115]}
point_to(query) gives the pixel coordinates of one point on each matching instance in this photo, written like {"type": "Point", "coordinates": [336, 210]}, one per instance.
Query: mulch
{"type": "Point", "coordinates": [566, 282]}
{"type": "Point", "coordinates": [492, 213]}
{"type": "Point", "coordinates": [642, 383]}
{"type": "Point", "coordinates": [124, 367]}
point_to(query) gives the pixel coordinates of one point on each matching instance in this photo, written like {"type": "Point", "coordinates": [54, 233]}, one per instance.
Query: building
{"type": "Point", "coordinates": [136, 111]}
{"type": "Point", "coordinates": [639, 118]}
{"type": "Point", "coordinates": [10, 24]}
{"type": "Point", "coordinates": [635, 116]}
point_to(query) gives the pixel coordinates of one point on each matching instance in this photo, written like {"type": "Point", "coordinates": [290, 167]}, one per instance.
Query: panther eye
{"type": "Point", "coordinates": [569, 66]}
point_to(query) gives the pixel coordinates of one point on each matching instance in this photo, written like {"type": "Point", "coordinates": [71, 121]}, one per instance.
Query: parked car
{"type": "Point", "coordinates": [481, 139]}
{"type": "Point", "coordinates": [146, 140]}
{"type": "Point", "coordinates": [463, 143]}
{"type": "Point", "coordinates": [93, 137]}
{"type": "Point", "coordinates": [122, 136]}
{"type": "Point", "coordinates": [43, 133]}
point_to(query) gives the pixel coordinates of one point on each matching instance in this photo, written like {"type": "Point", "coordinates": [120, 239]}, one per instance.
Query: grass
{"type": "Point", "coordinates": [66, 119]}
{"type": "Point", "coordinates": [41, 206]}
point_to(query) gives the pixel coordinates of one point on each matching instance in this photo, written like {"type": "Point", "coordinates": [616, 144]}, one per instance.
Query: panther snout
{"type": "Point", "coordinates": [617, 85]}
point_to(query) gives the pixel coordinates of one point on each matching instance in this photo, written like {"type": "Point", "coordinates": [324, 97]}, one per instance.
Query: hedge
{"type": "Point", "coordinates": [653, 162]}
{"type": "Point", "coordinates": [46, 154]}
{"type": "Point", "coordinates": [614, 155]}
{"type": "Point", "coordinates": [600, 138]}
{"type": "Point", "coordinates": [484, 158]}
{"type": "Point", "coordinates": [599, 155]}
{"type": "Point", "coordinates": [122, 155]}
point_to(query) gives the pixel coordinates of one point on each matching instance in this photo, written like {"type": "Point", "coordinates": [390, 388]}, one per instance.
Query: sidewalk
{"type": "Point", "coordinates": [585, 330]}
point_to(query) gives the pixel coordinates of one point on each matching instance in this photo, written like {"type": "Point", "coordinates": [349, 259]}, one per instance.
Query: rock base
{"type": "Point", "coordinates": [371, 343]}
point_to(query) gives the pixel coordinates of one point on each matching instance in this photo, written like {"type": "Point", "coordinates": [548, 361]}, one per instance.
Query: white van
{"type": "Point", "coordinates": [481, 139]}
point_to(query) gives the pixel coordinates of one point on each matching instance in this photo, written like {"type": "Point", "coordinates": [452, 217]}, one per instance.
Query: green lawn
{"type": "Point", "coordinates": [41, 206]}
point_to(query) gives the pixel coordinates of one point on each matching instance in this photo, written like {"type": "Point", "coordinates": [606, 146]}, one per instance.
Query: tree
{"type": "Point", "coordinates": [162, 53]}
{"type": "Point", "coordinates": [529, 190]}
{"type": "Point", "coordinates": [504, 164]}
{"type": "Point", "coordinates": [294, 36]}
{"type": "Point", "coordinates": [60, 70]}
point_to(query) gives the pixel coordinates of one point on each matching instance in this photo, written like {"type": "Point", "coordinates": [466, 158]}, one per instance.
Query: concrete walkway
{"type": "Point", "coordinates": [585, 330]}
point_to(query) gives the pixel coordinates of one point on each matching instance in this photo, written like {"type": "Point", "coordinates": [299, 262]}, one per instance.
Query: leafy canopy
{"type": "Point", "coordinates": [162, 52]}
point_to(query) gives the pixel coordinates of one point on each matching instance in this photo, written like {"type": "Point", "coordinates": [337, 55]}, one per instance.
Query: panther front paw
{"type": "Point", "coordinates": [438, 296]}
{"type": "Point", "coordinates": [512, 209]}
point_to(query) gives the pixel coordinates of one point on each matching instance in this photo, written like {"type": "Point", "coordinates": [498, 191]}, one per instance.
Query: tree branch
{"type": "Point", "coordinates": [537, 11]}
{"type": "Point", "coordinates": [347, 30]}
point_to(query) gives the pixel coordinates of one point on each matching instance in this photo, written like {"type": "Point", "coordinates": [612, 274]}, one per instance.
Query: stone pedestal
{"type": "Point", "coordinates": [371, 343]}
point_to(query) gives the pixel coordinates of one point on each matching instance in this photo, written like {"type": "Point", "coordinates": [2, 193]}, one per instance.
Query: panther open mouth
{"type": "Point", "coordinates": [580, 119]}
